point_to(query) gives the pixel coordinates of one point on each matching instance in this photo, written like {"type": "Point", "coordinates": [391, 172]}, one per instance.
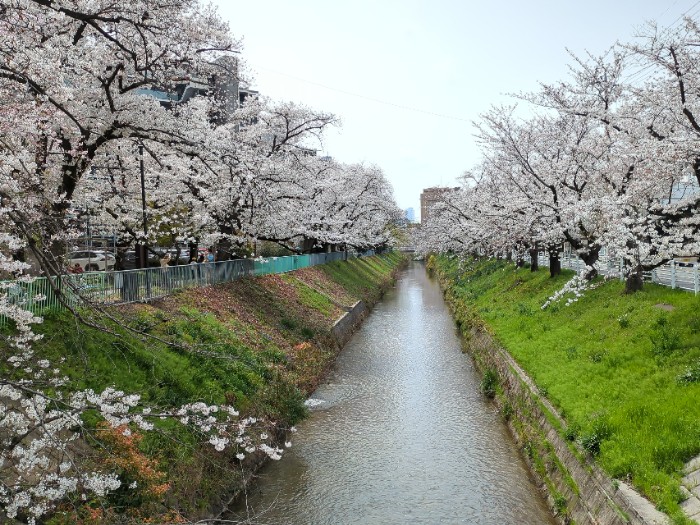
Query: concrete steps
{"type": "Point", "coordinates": [690, 484]}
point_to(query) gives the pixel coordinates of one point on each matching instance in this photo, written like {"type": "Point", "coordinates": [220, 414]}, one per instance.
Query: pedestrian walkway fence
{"type": "Point", "coordinates": [685, 276]}
{"type": "Point", "coordinates": [129, 286]}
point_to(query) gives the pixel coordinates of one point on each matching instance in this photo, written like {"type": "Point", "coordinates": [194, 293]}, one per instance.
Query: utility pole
{"type": "Point", "coordinates": [143, 248]}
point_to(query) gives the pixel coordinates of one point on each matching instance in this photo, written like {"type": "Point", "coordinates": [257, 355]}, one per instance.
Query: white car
{"type": "Point", "coordinates": [91, 260]}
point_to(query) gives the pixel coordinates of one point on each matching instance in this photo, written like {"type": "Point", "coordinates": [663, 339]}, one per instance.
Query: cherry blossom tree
{"type": "Point", "coordinates": [649, 131]}
{"type": "Point", "coordinates": [351, 205]}
{"type": "Point", "coordinates": [265, 164]}
{"type": "Point", "coordinates": [72, 76]}
{"type": "Point", "coordinates": [95, 96]}
{"type": "Point", "coordinates": [602, 159]}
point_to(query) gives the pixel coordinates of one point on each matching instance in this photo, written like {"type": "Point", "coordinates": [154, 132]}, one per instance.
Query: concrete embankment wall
{"type": "Point", "coordinates": [577, 489]}
{"type": "Point", "coordinates": [346, 325]}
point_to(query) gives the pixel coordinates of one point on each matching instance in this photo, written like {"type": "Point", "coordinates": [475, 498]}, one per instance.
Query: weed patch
{"type": "Point", "coordinates": [489, 383]}
{"type": "Point", "coordinates": [664, 338]}
{"type": "Point", "coordinates": [691, 374]}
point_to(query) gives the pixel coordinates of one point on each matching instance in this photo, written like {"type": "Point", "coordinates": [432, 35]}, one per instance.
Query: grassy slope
{"type": "Point", "coordinates": [261, 344]}
{"type": "Point", "coordinates": [607, 362]}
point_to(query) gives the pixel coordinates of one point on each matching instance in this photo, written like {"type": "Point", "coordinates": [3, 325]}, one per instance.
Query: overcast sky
{"type": "Point", "coordinates": [408, 77]}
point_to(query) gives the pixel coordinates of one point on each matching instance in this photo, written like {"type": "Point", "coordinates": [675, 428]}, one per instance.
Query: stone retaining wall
{"type": "Point", "coordinates": [578, 491]}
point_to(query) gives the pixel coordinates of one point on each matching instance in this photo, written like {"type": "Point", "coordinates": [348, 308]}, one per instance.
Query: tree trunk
{"type": "Point", "coordinates": [554, 263]}
{"type": "Point", "coordinates": [590, 258]}
{"type": "Point", "coordinates": [520, 262]}
{"type": "Point", "coordinates": [307, 245]}
{"type": "Point", "coordinates": [120, 253]}
{"type": "Point", "coordinates": [554, 253]}
{"type": "Point", "coordinates": [141, 255]}
{"type": "Point", "coordinates": [534, 262]}
{"type": "Point", "coordinates": [635, 280]}
{"type": "Point", "coordinates": [224, 246]}
{"type": "Point", "coordinates": [193, 248]}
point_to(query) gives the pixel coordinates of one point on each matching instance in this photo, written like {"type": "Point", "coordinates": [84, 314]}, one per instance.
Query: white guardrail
{"type": "Point", "coordinates": [685, 276]}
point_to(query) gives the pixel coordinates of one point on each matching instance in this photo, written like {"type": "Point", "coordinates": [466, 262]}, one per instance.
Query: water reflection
{"type": "Point", "coordinates": [399, 433]}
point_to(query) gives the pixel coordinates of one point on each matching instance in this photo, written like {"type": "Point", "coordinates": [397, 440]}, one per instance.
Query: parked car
{"type": "Point", "coordinates": [91, 260]}
{"type": "Point", "coordinates": [183, 259]}
{"type": "Point", "coordinates": [130, 260]}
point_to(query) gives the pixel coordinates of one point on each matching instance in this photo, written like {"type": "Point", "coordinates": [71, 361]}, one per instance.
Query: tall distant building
{"type": "Point", "coordinates": [410, 215]}
{"type": "Point", "coordinates": [429, 197]}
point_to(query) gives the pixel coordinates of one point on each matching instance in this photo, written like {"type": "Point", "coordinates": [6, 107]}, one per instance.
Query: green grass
{"type": "Point", "coordinates": [362, 277]}
{"type": "Point", "coordinates": [234, 343]}
{"type": "Point", "coordinates": [308, 296]}
{"type": "Point", "coordinates": [207, 361]}
{"type": "Point", "coordinates": [613, 364]}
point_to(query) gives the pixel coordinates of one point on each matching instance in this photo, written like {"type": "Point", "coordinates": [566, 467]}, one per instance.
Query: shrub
{"type": "Point", "coordinates": [597, 355]}
{"type": "Point", "coordinates": [431, 264]}
{"type": "Point", "coordinates": [142, 322]}
{"type": "Point", "coordinates": [694, 324]}
{"type": "Point", "coordinates": [524, 310]}
{"type": "Point", "coordinates": [571, 432]}
{"type": "Point", "coordinates": [664, 339]}
{"type": "Point", "coordinates": [290, 324]}
{"type": "Point", "coordinates": [560, 503]}
{"type": "Point", "coordinates": [489, 383]}
{"type": "Point", "coordinates": [592, 439]}
{"type": "Point", "coordinates": [507, 411]}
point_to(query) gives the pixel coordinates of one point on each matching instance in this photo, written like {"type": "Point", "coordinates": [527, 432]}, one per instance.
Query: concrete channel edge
{"type": "Point", "coordinates": [577, 489]}
{"type": "Point", "coordinates": [345, 326]}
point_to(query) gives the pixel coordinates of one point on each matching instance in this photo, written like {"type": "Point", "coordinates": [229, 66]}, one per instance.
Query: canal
{"type": "Point", "coordinates": [399, 433]}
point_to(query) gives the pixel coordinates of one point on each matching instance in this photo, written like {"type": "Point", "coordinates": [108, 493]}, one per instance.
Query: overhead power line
{"type": "Point", "coordinates": [642, 74]}
{"type": "Point", "coordinates": [365, 97]}
{"type": "Point", "coordinates": [685, 13]}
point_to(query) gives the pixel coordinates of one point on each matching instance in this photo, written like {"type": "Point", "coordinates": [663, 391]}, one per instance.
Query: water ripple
{"type": "Point", "coordinates": [400, 434]}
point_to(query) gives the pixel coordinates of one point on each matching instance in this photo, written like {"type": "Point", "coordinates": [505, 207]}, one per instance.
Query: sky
{"type": "Point", "coordinates": [408, 78]}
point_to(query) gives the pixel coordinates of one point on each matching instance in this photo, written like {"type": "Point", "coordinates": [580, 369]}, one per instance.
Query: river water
{"type": "Point", "coordinates": [400, 433]}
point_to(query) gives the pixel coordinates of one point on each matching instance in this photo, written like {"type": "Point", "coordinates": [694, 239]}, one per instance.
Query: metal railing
{"type": "Point", "coordinates": [683, 276]}
{"type": "Point", "coordinates": [129, 286]}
